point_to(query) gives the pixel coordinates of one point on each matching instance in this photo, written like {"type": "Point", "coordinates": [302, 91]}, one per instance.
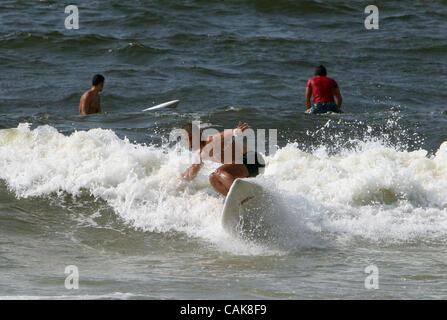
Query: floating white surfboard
{"type": "Point", "coordinates": [249, 210]}
{"type": "Point", "coordinates": [171, 104]}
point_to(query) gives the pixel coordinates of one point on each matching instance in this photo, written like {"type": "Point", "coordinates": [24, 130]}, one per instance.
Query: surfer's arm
{"type": "Point", "coordinates": [84, 104]}
{"type": "Point", "coordinates": [192, 171]}
{"type": "Point", "coordinates": [99, 105]}
{"type": "Point", "coordinates": [338, 96]}
{"type": "Point", "coordinates": [227, 134]}
{"type": "Point", "coordinates": [308, 96]}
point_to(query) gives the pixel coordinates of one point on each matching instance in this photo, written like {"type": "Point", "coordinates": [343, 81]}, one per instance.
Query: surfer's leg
{"type": "Point", "coordinates": [224, 176]}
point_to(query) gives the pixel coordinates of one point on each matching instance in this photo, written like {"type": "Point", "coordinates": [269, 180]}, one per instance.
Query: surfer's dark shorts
{"type": "Point", "coordinates": [254, 163]}
{"type": "Point", "coordinates": [323, 107]}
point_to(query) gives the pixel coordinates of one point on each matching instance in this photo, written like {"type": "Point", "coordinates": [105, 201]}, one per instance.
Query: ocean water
{"type": "Point", "coordinates": [103, 193]}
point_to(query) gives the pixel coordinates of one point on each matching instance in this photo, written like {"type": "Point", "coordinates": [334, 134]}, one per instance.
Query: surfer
{"type": "Point", "coordinates": [238, 161]}
{"type": "Point", "coordinates": [323, 89]}
{"type": "Point", "coordinates": [90, 99]}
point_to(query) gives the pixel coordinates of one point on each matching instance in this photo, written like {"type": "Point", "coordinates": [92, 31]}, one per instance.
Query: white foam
{"type": "Point", "coordinates": [374, 192]}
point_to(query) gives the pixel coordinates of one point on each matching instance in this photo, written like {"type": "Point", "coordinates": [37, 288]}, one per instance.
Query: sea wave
{"type": "Point", "coordinates": [21, 39]}
{"type": "Point", "coordinates": [373, 191]}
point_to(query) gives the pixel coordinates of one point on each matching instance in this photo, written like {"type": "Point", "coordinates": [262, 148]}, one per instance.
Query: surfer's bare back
{"type": "Point", "coordinates": [90, 99]}
{"type": "Point", "coordinates": [222, 148]}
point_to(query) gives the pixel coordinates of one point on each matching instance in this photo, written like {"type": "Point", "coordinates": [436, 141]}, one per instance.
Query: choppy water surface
{"type": "Point", "coordinates": [103, 192]}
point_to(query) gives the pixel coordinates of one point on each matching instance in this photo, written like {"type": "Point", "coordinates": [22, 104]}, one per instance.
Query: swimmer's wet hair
{"type": "Point", "coordinates": [320, 71]}
{"type": "Point", "coordinates": [97, 79]}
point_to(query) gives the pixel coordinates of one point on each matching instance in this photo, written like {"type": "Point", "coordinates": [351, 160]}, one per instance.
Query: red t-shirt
{"type": "Point", "coordinates": [323, 88]}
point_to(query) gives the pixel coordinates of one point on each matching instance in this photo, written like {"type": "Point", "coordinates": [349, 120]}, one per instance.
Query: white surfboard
{"type": "Point", "coordinates": [249, 210]}
{"type": "Point", "coordinates": [171, 104]}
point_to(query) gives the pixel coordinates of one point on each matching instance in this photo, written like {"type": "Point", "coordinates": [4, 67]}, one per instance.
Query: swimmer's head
{"type": "Point", "coordinates": [98, 81]}
{"type": "Point", "coordinates": [320, 71]}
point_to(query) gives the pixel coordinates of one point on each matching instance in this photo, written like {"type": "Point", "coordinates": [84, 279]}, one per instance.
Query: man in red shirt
{"type": "Point", "coordinates": [323, 89]}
